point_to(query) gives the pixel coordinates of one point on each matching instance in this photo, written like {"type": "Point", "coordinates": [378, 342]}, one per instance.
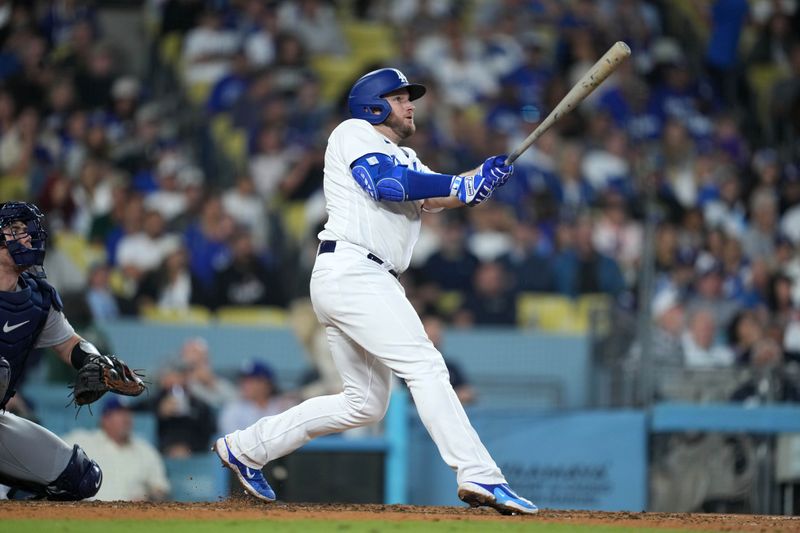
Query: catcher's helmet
{"type": "Point", "coordinates": [31, 217]}
{"type": "Point", "coordinates": [367, 94]}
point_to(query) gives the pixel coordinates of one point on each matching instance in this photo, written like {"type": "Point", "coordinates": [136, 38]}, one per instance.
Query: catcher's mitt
{"type": "Point", "coordinates": [103, 373]}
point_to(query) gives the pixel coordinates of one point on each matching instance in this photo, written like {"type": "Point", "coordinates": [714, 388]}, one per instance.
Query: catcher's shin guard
{"type": "Point", "coordinates": [81, 479]}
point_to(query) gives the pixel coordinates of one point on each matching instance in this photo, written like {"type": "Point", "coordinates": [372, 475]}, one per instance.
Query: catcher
{"type": "Point", "coordinates": [32, 459]}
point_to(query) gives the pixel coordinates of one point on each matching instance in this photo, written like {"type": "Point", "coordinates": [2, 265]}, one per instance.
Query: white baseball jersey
{"type": "Point", "coordinates": [373, 330]}
{"type": "Point", "coordinates": [387, 229]}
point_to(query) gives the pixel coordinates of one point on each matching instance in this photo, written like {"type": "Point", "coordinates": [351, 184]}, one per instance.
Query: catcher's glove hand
{"type": "Point", "coordinates": [103, 373]}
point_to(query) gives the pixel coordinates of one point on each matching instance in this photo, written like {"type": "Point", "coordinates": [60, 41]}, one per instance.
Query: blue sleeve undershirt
{"type": "Point", "coordinates": [384, 180]}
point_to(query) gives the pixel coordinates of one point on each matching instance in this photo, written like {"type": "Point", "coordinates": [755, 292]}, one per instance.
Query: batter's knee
{"type": "Point", "coordinates": [81, 479]}
{"type": "Point", "coordinates": [425, 369]}
{"type": "Point", "coordinates": [370, 411]}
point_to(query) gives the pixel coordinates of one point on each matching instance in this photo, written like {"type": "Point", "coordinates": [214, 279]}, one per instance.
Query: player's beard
{"type": "Point", "coordinates": [400, 127]}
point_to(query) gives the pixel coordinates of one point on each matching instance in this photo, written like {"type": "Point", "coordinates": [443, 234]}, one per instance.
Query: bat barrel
{"type": "Point", "coordinates": [604, 66]}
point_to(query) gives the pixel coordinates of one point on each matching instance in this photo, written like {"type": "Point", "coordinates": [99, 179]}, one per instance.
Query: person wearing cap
{"type": "Point", "coordinates": [258, 397]}
{"type": "Point", "coordinates": [708, 291]}
{"type": "Point", "coordinates": [376, 191]}
{"type": "Point", "coordinates": [132, 468]}
{"type": "Point", "coordinates": [121, 120]}
{"type": "Point", "coordinates": [170, 198]}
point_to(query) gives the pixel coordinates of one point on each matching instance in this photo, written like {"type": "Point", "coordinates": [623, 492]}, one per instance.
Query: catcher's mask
{"type": "Point", "coordinates": [18, 222]}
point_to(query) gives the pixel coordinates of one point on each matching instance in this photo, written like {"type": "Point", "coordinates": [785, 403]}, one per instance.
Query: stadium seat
{"type": "Point", "coordinates": [194, 314]}
{"type": "Point", "coordinates": [449, 302]}
{"type": "Point", "coordinates": [234, 146]}
{"type": "Point", "coordinates": [335, 74]}
{"type": "Point", "coordinates": [221, 127]}
{"type": "Point", "coordinates": [198, 93]}
{"type": "Point", "coordinates": [548, 312]}
{"type": "Point", "coordinates": [120, 284]}
{"type": "Point", "coordinates": [13, 188]}
{"type": "Point", "coordinates": [231, 141]}
{"type": "Point", "coordinates": [589, 305]}
{"type": "Point", "coordinates": [252, 315]}
{"type": "Point", "coordinates": [370, 42]}
{"type": "Point", "coordinates": [293, 219]}
{"type": "Point", "coordinates": [79, 250]}
{"type": "Point", "coordinates": [170, 49]}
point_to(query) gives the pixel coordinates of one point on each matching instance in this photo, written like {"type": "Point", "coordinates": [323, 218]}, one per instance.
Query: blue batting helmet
{"type": "Point", "coordinates": [367, 94]}
{"type": "Point", "coordinates": [31, 217]}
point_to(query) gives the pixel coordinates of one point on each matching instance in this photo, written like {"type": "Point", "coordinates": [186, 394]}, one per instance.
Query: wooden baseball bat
{"type": "Point", "coordinates": [588, 83]}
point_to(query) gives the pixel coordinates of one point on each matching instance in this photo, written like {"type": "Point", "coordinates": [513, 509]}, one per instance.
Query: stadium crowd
{"type": "Point", "coordinates": [197, 183]}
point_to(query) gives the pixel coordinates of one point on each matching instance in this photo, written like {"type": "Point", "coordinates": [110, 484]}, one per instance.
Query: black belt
{"type": "Point", "coordinates": [330, 246]}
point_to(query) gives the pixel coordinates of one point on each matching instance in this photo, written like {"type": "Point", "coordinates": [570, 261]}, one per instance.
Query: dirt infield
{"type": "Point", "coordinates": [235, 509]}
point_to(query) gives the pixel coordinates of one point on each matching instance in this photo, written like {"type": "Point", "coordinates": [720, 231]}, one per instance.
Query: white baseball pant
{"type": "Point", "coordinates": [373, 330]}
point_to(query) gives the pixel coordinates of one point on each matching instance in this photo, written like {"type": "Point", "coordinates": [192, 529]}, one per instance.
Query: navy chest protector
{"type": "Point", "coordinates": [23, 315]}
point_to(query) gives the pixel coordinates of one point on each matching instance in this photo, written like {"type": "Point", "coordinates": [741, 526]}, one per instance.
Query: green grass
{"type": "Point", "coordinates": [302, 526]}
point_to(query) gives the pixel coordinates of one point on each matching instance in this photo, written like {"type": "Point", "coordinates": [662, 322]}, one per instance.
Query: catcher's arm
{"type": "Point", "coordinates": [97, 373]}
{"type": "Point", "coordinates": [64, 350]}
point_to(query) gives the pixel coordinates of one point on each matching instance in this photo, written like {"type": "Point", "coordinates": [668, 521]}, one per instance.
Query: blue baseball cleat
{"type": "Point", "coordinates": [251, 479]}
{"type": "Point", "coordinates": [500, 497]}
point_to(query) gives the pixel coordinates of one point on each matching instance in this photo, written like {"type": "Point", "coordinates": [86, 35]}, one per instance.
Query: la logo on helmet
{"type": "Point", "coordinates": [400, 75]}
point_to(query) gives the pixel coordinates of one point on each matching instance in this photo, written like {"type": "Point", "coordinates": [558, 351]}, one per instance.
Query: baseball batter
{"type": "Point", "coordinates": [34, 462]}
{"type": "Point", "coordinates": [375, 191]}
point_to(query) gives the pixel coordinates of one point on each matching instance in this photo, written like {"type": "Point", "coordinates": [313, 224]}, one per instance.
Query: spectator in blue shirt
{"type": "Point", "coordinates": [230, 88]}
{"type": "Point", "coordinates": [207, 241]}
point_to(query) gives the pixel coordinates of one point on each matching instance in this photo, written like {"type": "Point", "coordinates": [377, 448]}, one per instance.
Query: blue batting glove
{"type": "Point", "coordinates": [496, 169]}
{"type": "Point", "coordinates": [472, 190]}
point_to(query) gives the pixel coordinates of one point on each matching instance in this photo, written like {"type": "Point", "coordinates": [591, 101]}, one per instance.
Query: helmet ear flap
{"type": "Point", "coordinates": [366, 96]}
{"type": "Point", "coordinates": [383, 111]}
